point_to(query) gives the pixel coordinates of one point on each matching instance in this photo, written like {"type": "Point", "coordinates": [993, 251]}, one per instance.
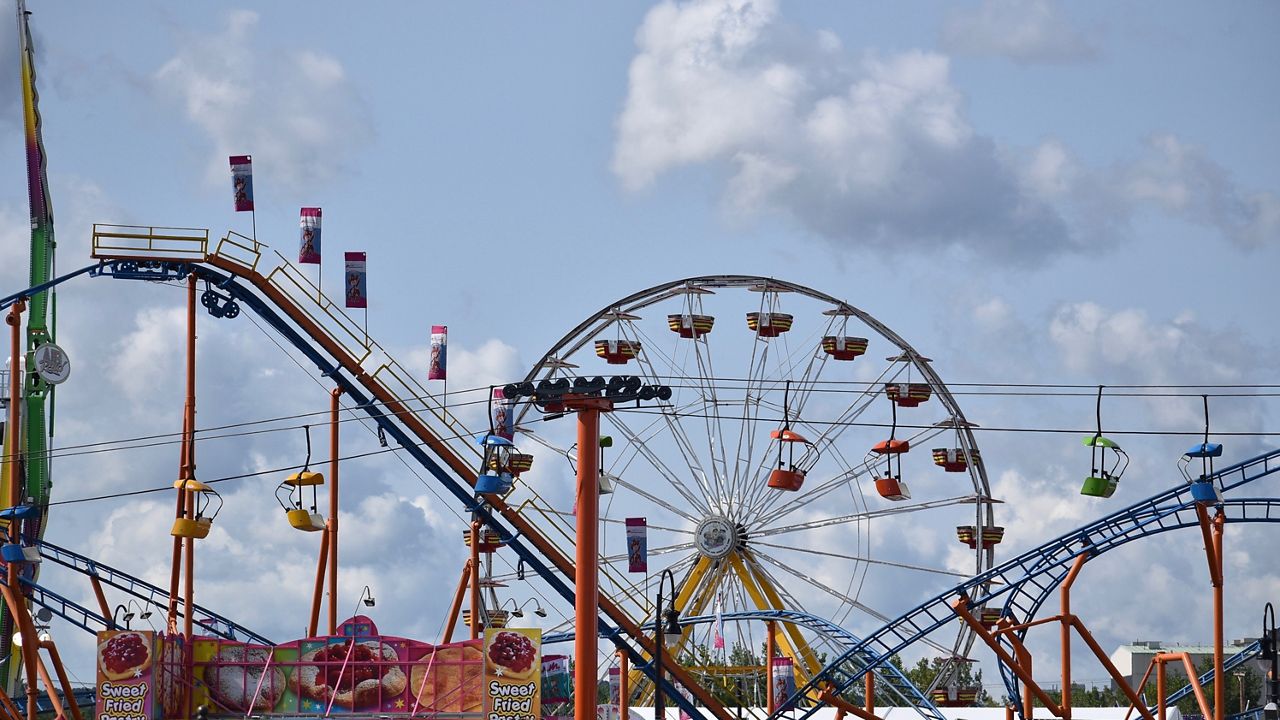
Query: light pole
{"type": "Point", "coordinates": [127, 617]}
{"type": "Point", "coordinates": [1271, 654]}
{"type": "Point", "coordinates": [667, 630]}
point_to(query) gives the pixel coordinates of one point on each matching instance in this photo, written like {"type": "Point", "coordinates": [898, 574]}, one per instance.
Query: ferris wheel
{"type": "Point", "coordinates": [796, 423]}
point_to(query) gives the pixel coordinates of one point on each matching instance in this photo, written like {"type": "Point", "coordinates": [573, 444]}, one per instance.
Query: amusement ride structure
{"type": "Point", "coordinates": [755, 428]}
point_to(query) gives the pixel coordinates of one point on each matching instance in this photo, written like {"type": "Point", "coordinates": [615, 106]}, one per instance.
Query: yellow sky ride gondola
{"type": "Point", "coordinates": [290, 495]}
{"type": "Point", "coordinates": [197, 526]}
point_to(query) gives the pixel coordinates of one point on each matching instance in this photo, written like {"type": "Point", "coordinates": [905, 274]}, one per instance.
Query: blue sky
{"type": "Point", "coordinates": [1028, 191]}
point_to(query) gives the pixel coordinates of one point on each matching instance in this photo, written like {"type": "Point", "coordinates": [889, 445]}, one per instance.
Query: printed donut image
{"type": "Point", "coordinates": [372, 672]}
{"type": "Point", "coordinates": [239, 676]}
{"type": "Point", "coordinates": [124, 655]}
{"type": "Point", "coordinates": [512, 655]}
{"type": "Point", "coordinates": [449, 680]}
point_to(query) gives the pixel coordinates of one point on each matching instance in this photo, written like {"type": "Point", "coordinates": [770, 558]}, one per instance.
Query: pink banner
{"type": "Point", "coordinates": [309, 236]}
{"type": "Point", "coordinates": [242, 181]}
{"type": "Point", "coordinates": [438, 367]}
{"type": "Point", "coordinates": [637, 545]}
{"type": "Point", "coordinates": [504, 418]}
{"type": "Point", "coordinates": [357, 289]}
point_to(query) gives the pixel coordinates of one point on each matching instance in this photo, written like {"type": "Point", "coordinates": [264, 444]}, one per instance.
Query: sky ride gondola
{"type": "Point", "coordinates": [198, 525]}
{"type": "Point", "coordinates": [890, 484]}
{"type": "Point", "coordinates": [290, 494]}
{"type": "Point", "coordinates": [790, 472]}
{"type": "Point", "coordinates": [1103, 480]}
{"type": "Point", "coordinates": [1202, 489]}
{"type": "Point", "coordinates": [496, 476]}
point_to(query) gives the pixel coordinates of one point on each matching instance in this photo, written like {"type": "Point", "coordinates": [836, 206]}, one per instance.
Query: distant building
{"type": "Point", "coordinates": [1133, 660]}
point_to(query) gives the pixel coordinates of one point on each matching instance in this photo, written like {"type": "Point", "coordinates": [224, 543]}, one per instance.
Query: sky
{"type": "Point", "coordinates": [1027, 191]}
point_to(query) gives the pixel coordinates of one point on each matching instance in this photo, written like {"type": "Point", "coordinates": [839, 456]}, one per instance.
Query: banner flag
{"type": "Point", "coordinates": [718, 641]}
{"type": "Point", "coordinates": [437, 370]}
{"type": "Point", "coordinates": [504, 417]}
{"type": "Point", "coordinates": [309, 225]}
{"type": "Point", "coordinates": [242, 181]}
{"type": "Point", "coordinates": [357, 289]}
{"type": "Point", "coordinates": [783, 676]}
{"type": "Point", "coordinates": [637, 545]}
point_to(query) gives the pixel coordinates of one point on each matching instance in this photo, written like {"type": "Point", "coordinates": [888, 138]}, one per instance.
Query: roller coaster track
{"type": "Point", "coordinates": [141, 589]}
{"type": "Point", "coordinates": [1250, 652]}
{"type": "Point", "coordinates": [1030, 577]}
{"type": "Point", "coordinates": [888, 676]}
{"type": "Point", "coordinates": [282, 296]}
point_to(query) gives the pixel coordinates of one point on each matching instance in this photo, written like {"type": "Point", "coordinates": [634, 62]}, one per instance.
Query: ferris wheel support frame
{"type": "Point", "coordinates": [620, 310]}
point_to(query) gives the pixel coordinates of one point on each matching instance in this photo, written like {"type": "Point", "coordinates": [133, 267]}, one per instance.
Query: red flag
{"type": "Point", "coordinates": [242, 181]}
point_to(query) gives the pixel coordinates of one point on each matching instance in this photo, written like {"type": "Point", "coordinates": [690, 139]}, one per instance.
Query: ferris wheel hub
{"type": "Point", "coordinates": [717, 536]}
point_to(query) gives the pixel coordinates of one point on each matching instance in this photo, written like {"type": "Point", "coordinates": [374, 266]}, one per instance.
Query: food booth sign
{"type": "Point", "coordinates": [139, 675]}
{"type": "Point", "coordinates": [512, 673]}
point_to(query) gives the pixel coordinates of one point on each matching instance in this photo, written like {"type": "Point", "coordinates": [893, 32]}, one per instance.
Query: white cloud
{"type": "Point", "coordinates": [876, 151]}
{"type": "Point", "coordinates": [1025, 31]}
{"type": "Point", "coordinates": [294, 111]}
{"type": "Point", "coordinates": [1181, 180]}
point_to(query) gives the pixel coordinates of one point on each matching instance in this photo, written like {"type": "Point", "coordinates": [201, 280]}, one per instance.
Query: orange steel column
{"type": "Point", "coordinates": [331, 529]}
{"type": "Point", "coordinates": [585, 576]}
{"type": "Point", "coordinates": [1161, 708]}
{"type": "Point", "coordinates": [1219, 689]}
{"type": "Point", "coordinates": [770, 702]}
{"type": "Point", "coordinates": [189, 462]}
{"type": "Point", "coordinates": [474, 625]}
{"type": "Point", "coordinates": [456, 606]}
{"type": "Point", "coordinates": [1066, 634]}
{"type": "Point", "coordinates": [870, 692]}
{"type": "Point", "coordinates": [313, 626]}
{"type": "Point", "coordinates": [624, 686]}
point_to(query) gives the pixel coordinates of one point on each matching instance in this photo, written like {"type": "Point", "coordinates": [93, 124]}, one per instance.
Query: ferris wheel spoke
{"type": "Point", "coordinates": [611, 559]}
{"type": "Point", "coordinates": [641, 448]}
{"type": "Point", "coordinates": [863, 558]}
{"type": "Point", "coordinates": [854, 602]}
{"type": "Point", "coordinates": [810, 496]}
{"type": "Point", "coordinates": [851, 517]}
{"type": "Point", "coordinates": [674, 419]}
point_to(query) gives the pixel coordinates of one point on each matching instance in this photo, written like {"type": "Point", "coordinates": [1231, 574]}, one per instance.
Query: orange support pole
{"type": "Point", "coordinates": [770, 702]}
{"type": "Point", "coordinates": [189, 462]}
{"type": "Point", "coordinates": [331, 528]}
{"type": "Point", "coordinates": [586, 571]}
{"type": "Point", "coordinates": [1008, 712]}
{"type": "Point", "coordinates": [474, 625]}
{"type": "Point", "coordinates": [624, 686]}
{"type": "Point", "coordinates": [1194, 680]}
{"type": "Point", "coordinates": [1120, 680]}
{"type": "Point", "coordinates": [50, 689]}
{"type": "Point", "coordinates": [22, 619]}
{"type": "Point", "coordinates": [1219, 677]}
{"type": "Point", "coordinates": [843, 706]}
{"type": "Point", "coordinates": [870, 692]}
{"type": "Point", "coordinates": [1020, 668]}
{"type": "Point", "coordinates": [454, 608]}
{"type": "Point", "coordinates": [56, 660]}
{"type": "Point", "coordinates": [314, 625]}
{"type": "Point", "coordinates": [176, 564]}
{"type": "Point", "coordinates": [1066, 633]}
{"type": "Point", "coordinates": [1162, 708]}
{"type": "Point", "coordinates": [102, 598]}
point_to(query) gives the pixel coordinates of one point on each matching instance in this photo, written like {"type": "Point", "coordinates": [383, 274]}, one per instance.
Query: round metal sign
{"type": "Point", "coordinates": [52, 364]}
